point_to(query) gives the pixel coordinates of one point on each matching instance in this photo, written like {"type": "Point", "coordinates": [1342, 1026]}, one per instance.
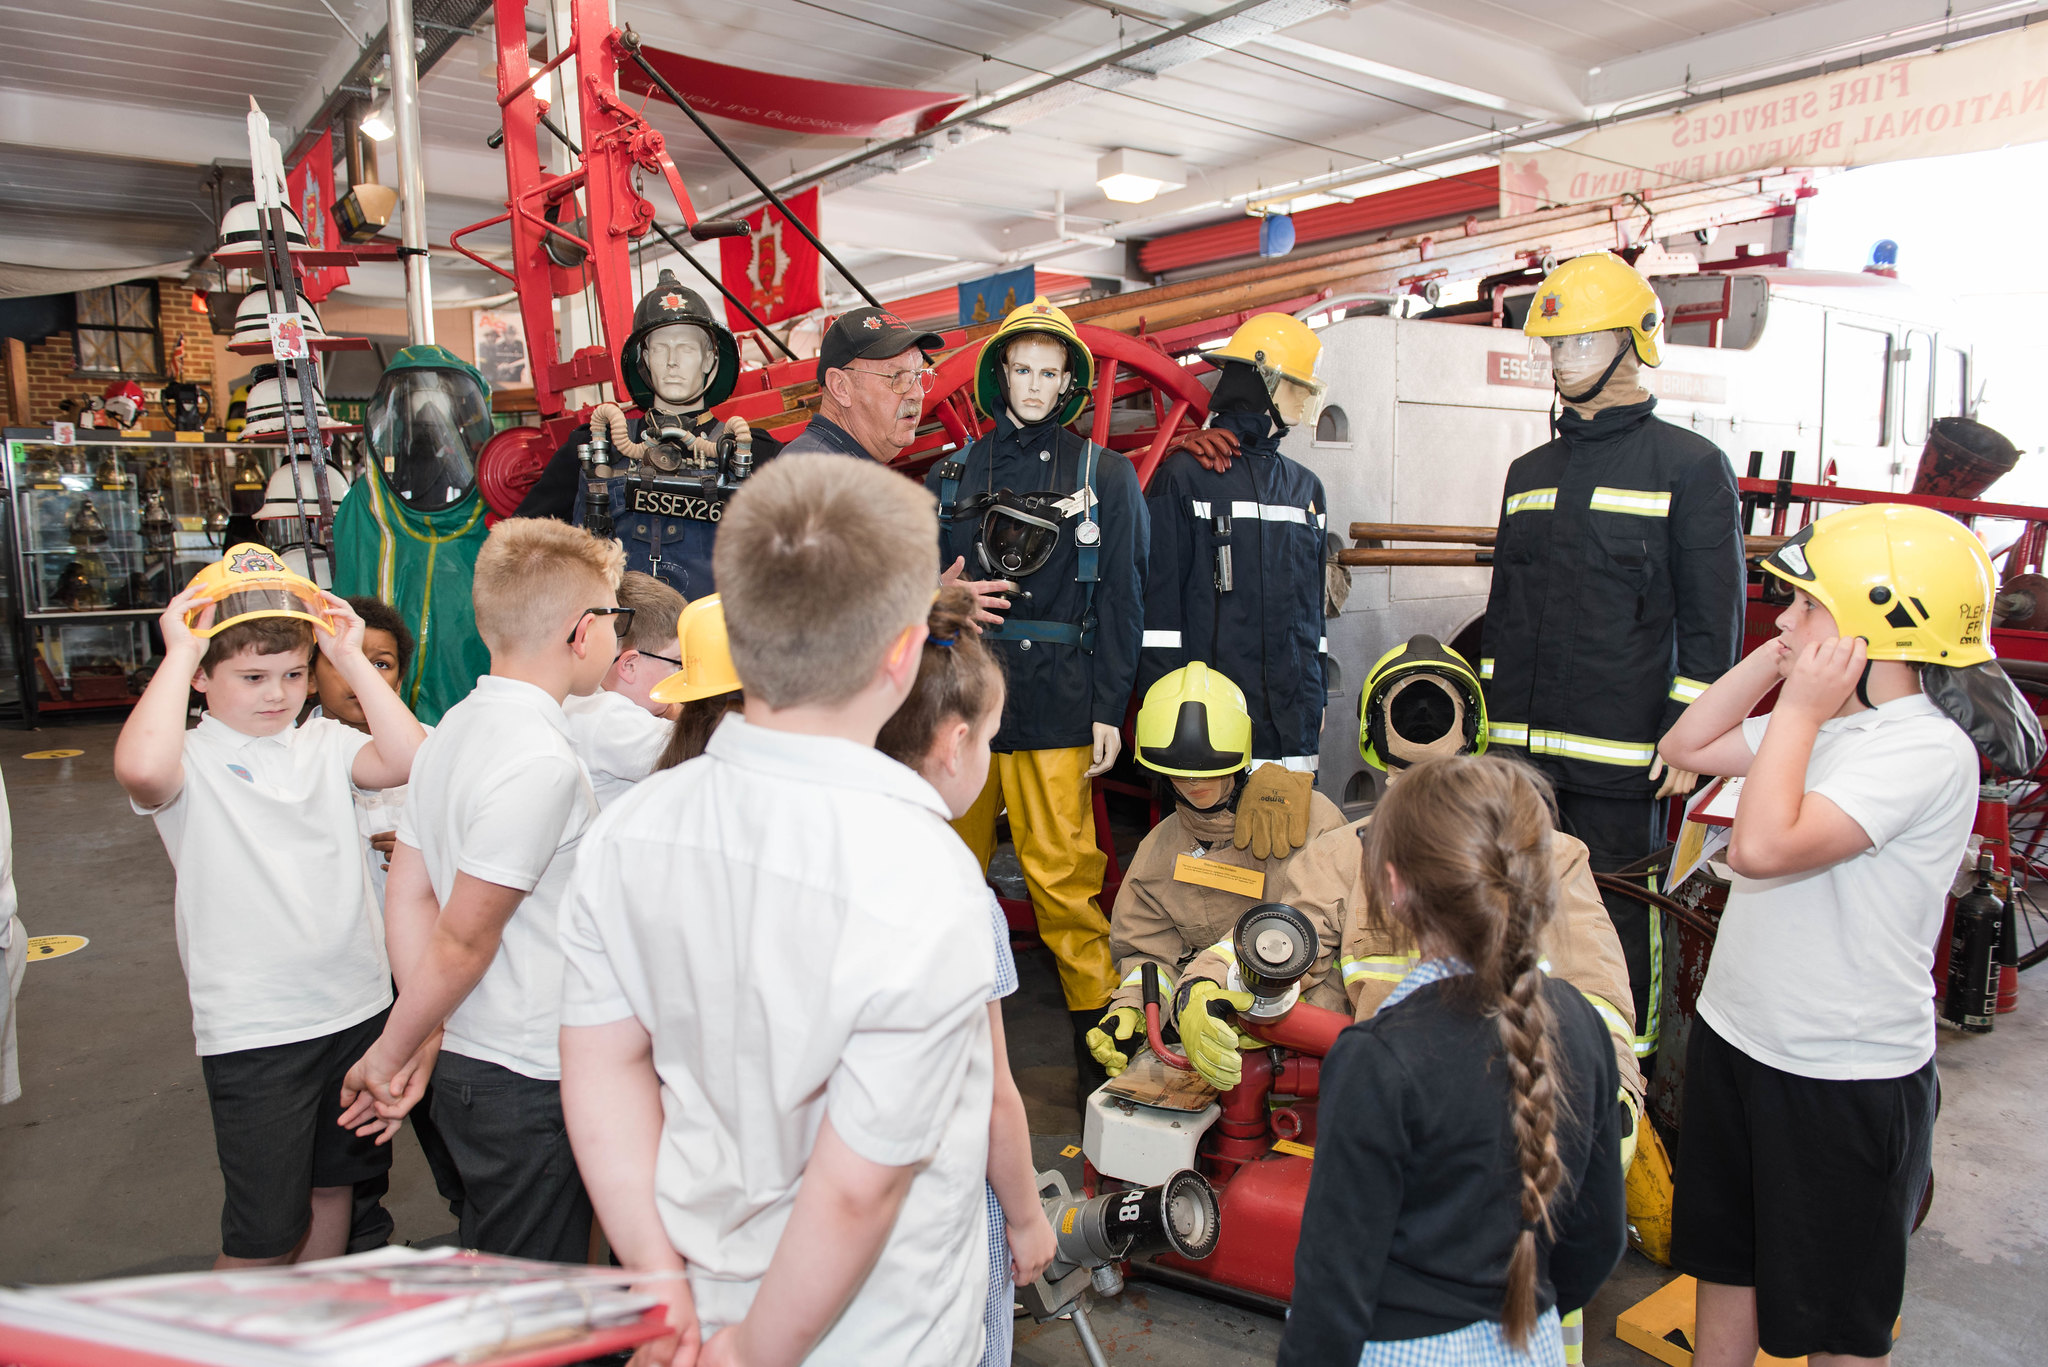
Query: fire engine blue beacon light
{"type": "Point", "coordinates": [1276, 234]}
{"type": "Point", "coordinates": [1884, 257]}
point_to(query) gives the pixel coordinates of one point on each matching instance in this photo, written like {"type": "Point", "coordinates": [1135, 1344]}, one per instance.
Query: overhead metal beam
{"type": "Point", "coordinates": [1402, 76]}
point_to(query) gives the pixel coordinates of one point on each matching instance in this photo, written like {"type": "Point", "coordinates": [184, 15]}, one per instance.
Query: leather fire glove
{"type": "Point", "coordinates": [1212, 447]}
{"type": "Point", "coordinates": [1272, 813]}
{"type": "Point", "coordinates": [1211, 1041]}
{"type": "Point", "coordinates": [1118, 1027]}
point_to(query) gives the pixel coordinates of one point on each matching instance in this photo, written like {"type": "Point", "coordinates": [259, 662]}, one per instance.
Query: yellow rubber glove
{"type": "Point", "coordinates": [1210, 1041]}
{"type": "Point", "coordinates": [1118, 1026]}
{"type": "Point", "coordinates": [1272, 813]}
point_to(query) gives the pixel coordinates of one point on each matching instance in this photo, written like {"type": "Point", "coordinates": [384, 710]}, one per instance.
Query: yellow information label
{"type": "Point", "coordinates": [54, 946]}
{"type": "Point", "coordinates": [1298, 1150]}
{"type": "Point", "coordinates": [53, 754]}
{"type": "Point", "coordinates": [188, 436]}
{"type": "Point", "coordinates": [1071, 1151]}
{"type": "Point", "coordinates": [1214, 873]}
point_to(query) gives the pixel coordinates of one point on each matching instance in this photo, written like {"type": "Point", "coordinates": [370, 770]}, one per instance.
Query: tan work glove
{"type": "Point", "coordinates": [1114, 1034]}
{"type": "Point", "coordinates": [1272, 813]}
{"type": "Point", "coordinates": [1212, 447]}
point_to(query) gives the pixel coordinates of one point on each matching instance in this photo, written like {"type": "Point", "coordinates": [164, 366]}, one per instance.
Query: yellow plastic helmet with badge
{"type": "Point", "coordinates": [1917, 586]}
{"type": "Point", "coordinates": [253, 581]}
{"type": "Point", "coordinates": [1194, 724]}
{"type": "Point", "coordinates": [706, 654]}
{"type": "Point", "coordinates": [1420, 700]}
{"type": "Point", "coordinates": [1279, 347]}
{"type": "Point", "coordinates": [1597, 292]}
{"type": "Point", "coordinates": [1036, 316]}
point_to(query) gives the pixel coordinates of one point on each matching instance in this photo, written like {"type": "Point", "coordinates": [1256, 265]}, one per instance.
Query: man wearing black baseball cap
{"type": "Point", "coordinates": [874, 373]}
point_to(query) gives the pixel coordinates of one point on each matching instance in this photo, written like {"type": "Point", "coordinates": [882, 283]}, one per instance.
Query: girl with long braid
{"type": "Point", "coordinates": [1467, 1184]}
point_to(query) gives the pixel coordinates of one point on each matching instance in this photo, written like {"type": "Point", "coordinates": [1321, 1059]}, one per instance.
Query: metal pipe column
{"type": "Point", "coordinates": [412, 187]}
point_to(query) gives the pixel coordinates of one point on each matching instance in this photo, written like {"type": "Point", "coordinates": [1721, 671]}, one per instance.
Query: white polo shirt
{"type": "Point", "coordinates": [618, 740]}
{"type": "Point", "coordinates": [799, 930]}
{"type": "Point", "coordinates": [498, 793]}
{"type": "Point", "coordinates": [1828, 974]}
{"type": "Point", "coordinates": [277, 926]}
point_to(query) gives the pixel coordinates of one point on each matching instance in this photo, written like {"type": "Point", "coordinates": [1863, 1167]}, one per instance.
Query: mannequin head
{"type": "Point", "coordinates": [1036, 376]}
{"type": "Point", "coordinates": [1297, 403]}
{"type": "Point", "coordinates": [1579, 361]}
{"type": "Point", "coordinates": [678, 360]}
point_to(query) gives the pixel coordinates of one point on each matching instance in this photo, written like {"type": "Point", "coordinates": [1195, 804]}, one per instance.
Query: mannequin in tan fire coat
{"type": "Point", "coordinates": [1216, 856]}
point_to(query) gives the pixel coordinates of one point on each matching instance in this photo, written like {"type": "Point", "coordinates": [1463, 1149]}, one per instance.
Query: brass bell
{"type": "Point", "coordinates": [85, 527]}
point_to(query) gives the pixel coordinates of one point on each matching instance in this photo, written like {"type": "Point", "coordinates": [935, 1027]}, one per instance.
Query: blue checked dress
{"type": "Point", "coordinates": [1480, 1343]}
{"type": "Point", "coordinates": [998, 1317]}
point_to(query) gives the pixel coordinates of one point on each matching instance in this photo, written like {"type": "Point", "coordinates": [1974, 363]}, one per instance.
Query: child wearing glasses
{"type": "Point", "coordinates": [618, 729]}
{"type": "Point", "coordinates": [499, 802]}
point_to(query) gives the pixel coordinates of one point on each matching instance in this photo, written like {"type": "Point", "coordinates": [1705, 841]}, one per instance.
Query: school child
{"type": "Point", "coordinates": [942, 731]}
{"type": "Point", "coordinates": [704, 687]}
{"type": "Point", "coordinates": [1190, 880]}
{"type": "Point", "coordinates": [485, 842]}
{"type": "Point", "coordinates": [779, 970]}
{"type": "Point", "coordinates": [618, 729]}
{"type": "Point", "coordinates": [1467, 1184]}
{"type": "Point", "coordinates": [276, 918]}
{"type": "Point", "coordinates": [388, 646]}
{"type": "Point", "coordinates": [1810, 1082]}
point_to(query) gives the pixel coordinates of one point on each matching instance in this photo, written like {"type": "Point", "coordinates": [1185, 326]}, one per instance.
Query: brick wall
{"type": "Point", "coordinates": [52, 362]}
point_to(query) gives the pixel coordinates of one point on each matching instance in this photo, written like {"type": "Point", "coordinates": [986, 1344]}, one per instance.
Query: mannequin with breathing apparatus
{"type": "Point", "coordinates": [1618, 588]}
{"type": "Point", "coordinates": [659, 482]}
{"type": "Point", "coordinates": [1062, 518]}
{"type": "Point", "coordinates": [1237, 577]}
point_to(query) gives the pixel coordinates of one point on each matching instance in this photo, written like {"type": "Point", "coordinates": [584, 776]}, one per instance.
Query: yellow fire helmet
{"type": "Point", "coordinates": [1420, 700]}
{"type": "Point", "coordinates": [1280, 347]}
{"type": "Point", "coordinates": [253, 581]}
{"type": "Point", "coordinates": [707, 658]}
{"type": "Point", "coordinates": [1916, 584]}
{"type": "Point", "coordinates": [1194, 724]}
{"type": "Point", "coordinates": [1036, 316]}
{"type": "Point", "coordinates": [1593, 293]}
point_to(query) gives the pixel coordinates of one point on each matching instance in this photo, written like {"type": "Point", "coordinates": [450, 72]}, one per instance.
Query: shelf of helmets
{"type": "Point", "coordinates": [240, 249]}
{"type": "Point", "coordinates": [105, 530]}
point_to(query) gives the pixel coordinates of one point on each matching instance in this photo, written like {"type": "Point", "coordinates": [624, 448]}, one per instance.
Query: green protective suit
{"type": "Point", "coordinates": [421, 564]}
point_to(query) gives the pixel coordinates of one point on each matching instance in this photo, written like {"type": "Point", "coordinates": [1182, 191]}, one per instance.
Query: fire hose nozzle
{"type": "Point", "coordinates": [1276, 946]}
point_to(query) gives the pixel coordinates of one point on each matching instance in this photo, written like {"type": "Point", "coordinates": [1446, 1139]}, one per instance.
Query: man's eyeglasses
{"type": "Point", "coordinates": [902, 381]}
{"type": "Point", "coordinates": [665, 659]}
{"type": "Point", "coordinates": [623, 626]}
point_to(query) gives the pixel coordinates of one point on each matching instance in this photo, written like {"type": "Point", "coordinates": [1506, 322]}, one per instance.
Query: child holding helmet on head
{"type": "Point", "coordinates": [1191, 880]}
{"type": "Point", "coordinates": [276, 915]}
{"type": "Point", "coordinates": [1810, 1087]}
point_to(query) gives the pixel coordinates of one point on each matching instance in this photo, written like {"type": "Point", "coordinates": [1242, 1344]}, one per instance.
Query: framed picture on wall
{"type": "Point", "coordinates": [500, 337]}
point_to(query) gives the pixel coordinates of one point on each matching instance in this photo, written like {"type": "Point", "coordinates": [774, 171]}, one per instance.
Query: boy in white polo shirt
{"type": "Point", "coordinates": [776, 1060]}
{"type": "Point", "coordinates": [619, 730]}
{"type": "Point", "coordinates": [276, 919]}
{"type": "Point", "coordinates": [485, 842]}
{"type": "Point", "coordinates": [1810, 1084]}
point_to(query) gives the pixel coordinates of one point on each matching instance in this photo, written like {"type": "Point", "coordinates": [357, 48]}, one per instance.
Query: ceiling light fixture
{"type": "Point", "coordinates": [1133, 177]}
{"type": "Point", "coordinates": [377, 123]}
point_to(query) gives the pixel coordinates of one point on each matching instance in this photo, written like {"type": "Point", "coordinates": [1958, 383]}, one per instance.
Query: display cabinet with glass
{"type": "Point", "coordinates": [105, 533]}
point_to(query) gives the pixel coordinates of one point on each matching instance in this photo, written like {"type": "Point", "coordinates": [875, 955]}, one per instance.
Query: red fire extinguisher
{"type": "Point", "coordinates": [1972, 997]}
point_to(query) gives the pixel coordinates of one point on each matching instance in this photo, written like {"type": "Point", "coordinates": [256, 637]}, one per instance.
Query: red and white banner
{"type": "Point", "coordinates": [1977, 96]}
{"type": "Point", "coordinates": [776, 270]}
{"type": "Point", "coordinates": [309, 193]}
{"type": "Point", "coordinates": [795, 104]}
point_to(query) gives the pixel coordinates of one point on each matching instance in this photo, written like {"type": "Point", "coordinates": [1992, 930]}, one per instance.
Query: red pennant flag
{"type": "Point", "coordinates": [309, 193]}
{"type": "Point", "coordinates": [776, 270]}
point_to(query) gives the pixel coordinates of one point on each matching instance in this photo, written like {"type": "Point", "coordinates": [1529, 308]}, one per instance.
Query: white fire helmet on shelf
{"type": "Point", "coordinates": [266, 407]}
{"type": "Point", "coordinates": [241, 229]}
{"type": "Point", "coordinates": [252, 319]}
{"type": "Point", "coordinates": [278, 499]}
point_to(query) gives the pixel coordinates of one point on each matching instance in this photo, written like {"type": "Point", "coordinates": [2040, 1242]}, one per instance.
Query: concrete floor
{"type": "Point", "coordinates": [107, 1165]}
